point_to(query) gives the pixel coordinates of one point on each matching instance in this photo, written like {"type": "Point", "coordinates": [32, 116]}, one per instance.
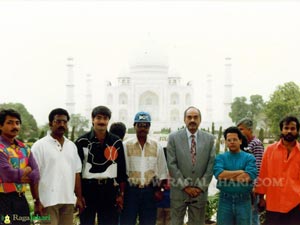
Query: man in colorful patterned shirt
{"type": "Point", "coordinates": [103, 168]}
{"type": "Point", "coordinates": [17, 168]}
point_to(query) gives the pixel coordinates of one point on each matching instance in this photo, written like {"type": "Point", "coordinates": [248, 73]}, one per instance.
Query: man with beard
{"type": "Point", "coordinates": [145, 164]}
{"type": "Point", "coordinates": [17, 168]}
{"type": "Point", "coordinates": [103, 171]}
{"type": "Point", "coordinates": [190, 156]}
{"type": "Point", "coordinates": [60, 168]}
{"type": "Point", "coordinates": [279, 177]}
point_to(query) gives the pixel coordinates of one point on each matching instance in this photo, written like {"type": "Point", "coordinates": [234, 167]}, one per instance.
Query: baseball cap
{"type": "Point", "coordinates": [141, 117]}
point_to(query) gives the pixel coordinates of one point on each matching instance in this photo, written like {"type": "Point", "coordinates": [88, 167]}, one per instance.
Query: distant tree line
{"type": "Point", "coordinates": [265, 114]}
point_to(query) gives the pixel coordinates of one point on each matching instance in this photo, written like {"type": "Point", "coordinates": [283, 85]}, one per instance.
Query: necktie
{"type": "Point", "coordinates": [193, 149]}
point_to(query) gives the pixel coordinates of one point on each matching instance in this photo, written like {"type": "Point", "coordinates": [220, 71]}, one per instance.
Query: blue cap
{"type": "Point", "coordinates": [142, 117]}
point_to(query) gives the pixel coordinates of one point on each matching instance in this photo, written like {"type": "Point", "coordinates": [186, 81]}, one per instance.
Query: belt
{"type": "Point", "coordinates": [107, 181]}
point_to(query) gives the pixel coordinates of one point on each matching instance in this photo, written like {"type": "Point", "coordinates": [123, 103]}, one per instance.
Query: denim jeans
{"type": "Point", "coordinates": [234, 209]}
{"type": "Point", "coordinates": [139, 202]}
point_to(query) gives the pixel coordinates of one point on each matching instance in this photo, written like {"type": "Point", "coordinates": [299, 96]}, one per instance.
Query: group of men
{"type": "Point", "coordinates": [121, 181]}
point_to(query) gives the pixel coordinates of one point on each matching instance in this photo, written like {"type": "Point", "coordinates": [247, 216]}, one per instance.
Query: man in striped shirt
{"type": "Point", "coordinates": [255, 147]}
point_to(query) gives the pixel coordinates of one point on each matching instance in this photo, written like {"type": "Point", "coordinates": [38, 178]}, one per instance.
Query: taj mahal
{"type": "Point", "coordinates": [149, 86]}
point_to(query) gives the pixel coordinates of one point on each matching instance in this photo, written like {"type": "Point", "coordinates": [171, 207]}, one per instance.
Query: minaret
{"type": "Point", "coordinates": [88, 100]}
{"type": "Point", "coordinates": [227, 93]}
{"type": "Point", "coordinates": [209, 103]}
{"type": "Point", "coordinates": [70, 103]}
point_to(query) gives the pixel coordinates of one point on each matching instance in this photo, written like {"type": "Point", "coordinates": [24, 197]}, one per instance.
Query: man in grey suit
{"type": "Point", "coordinates": [191, 155]}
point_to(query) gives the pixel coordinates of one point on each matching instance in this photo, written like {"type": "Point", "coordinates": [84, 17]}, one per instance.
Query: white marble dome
{"type": "Point", "coordinates": [149, 54]}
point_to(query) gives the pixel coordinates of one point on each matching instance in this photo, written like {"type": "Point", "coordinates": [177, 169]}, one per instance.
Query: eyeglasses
{"type": "Point", "coordinates": [143, 125]}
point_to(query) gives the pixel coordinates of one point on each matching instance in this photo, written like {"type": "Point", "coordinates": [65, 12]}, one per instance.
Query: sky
{"type": "Point", "coordinates": [37, 37]}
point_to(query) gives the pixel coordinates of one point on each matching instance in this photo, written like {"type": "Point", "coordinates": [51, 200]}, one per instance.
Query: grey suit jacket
{"type": "Point", "coordinates": [183, 172]}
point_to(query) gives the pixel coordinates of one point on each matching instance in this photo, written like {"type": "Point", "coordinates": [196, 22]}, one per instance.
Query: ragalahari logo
{"type": "Point", "coordinates": [7, 219]}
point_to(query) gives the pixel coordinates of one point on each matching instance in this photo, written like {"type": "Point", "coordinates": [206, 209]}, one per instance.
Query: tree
{"type": "Point", "coordinates": [43, 130]}
{"type": "Point", "coordinates": [239, 109]}
{"type": "Point", "coordinates": [261, 135]}
{"type": "Point", "coordinates": [257, 105]}
{"type": "Point", "coordinates": [253, 110]}
{"type": "Point", "coordinates": [218, 141]}
{"type": "Point", "coordinates": [284, 101]}
{"type": "Point", "coordinates": [29, 129]}
{"type": "Point", "coordinates": [78, 125]}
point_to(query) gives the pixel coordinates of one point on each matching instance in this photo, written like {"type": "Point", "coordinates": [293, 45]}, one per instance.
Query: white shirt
{"type": "Point", "coordinates": [144, 164]}
{"type": "Point", "coordinates": [58, 166]}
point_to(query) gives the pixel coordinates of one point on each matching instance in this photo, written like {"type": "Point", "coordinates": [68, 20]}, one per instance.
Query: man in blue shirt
{"type": "Point", "coordinates": [235, 171]}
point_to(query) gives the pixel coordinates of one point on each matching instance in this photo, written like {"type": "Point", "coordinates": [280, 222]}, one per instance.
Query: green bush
{"type": "Point", "coordinates": [211, 206]}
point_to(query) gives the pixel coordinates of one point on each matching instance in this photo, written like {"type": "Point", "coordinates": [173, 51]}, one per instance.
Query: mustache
{"type": "Point", "coordinates": [61, 128]}
{"type": "Point", "coordinates": [15, 129]}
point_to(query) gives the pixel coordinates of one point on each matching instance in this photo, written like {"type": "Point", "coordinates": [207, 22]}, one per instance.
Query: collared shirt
{"type": "Point", "coordinates": [58, 166]}
{"type": "Point", "coordinates": [101, 160]}
{"type": "Point", "coordinates": [13, 158]}
{"type": "Point", "coordinates": [279, 177]}
{"type": "Point", "coordinates": [143, 164]}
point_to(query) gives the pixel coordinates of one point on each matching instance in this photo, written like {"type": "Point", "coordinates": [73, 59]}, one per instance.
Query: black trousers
{"type": "Point", "coordinates": [14, 209]}
{"type": "Point", "coordinates": [290, 218]}
{"type": "Point", "coordinates": [100, 198]}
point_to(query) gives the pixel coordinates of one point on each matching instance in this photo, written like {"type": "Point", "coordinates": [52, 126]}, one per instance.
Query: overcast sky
{"type": "Point", "coordinates": [37, 37]}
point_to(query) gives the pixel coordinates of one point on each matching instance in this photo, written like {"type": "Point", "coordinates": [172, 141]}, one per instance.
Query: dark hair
{"type": "Point", "coordinates": [102, 110]}
{"type": "Point", "coordinates": [244, 144]}
{"type": "Point", "coordinates": [9, 112]}
{"type": "Point", "coordinates": [233, 130]}
{"type": "Point", "coordinates": [58, 111]}
{"type": "Point", "coordinates": [192, 107]}
{"type": "Point", "coordinates": [118, 128]}
{"type": "Point", "coordinates": [247, 122]}
{"type": "Point", "coordinates": [289, 119]}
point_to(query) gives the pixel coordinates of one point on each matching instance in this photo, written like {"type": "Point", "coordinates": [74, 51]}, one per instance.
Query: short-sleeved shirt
{"type": "Point", "coordinates": [58, 166]}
